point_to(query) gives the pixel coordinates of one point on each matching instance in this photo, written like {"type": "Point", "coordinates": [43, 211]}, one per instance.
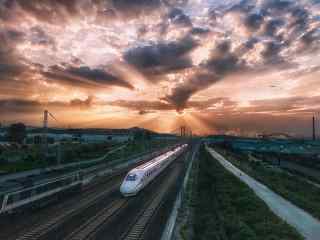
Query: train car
{"type": "Point", "coordinates": [40, 194]}
{"type": "Point", "coordinates": [142, 175]}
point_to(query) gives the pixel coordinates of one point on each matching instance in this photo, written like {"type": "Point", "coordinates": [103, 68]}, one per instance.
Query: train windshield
{"type": "Point", "coordinates": [131, 177]}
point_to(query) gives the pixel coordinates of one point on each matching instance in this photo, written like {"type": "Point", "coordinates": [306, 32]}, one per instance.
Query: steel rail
{"type": "Point", "coordinates": [62, 216]}
{"type": "Point", "coordinates": [89, 229]}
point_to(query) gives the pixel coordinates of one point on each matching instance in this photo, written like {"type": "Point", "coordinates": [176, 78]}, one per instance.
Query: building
{"type": "Point", "coordinates": [35, 135]}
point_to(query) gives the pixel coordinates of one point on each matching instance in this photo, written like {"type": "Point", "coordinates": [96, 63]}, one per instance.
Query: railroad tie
{"type": "Point", "coordinates": [91, 225]}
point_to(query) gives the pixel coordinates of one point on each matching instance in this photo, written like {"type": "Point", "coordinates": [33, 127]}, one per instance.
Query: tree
{"type": "Point", "coordinates": [17, 132]}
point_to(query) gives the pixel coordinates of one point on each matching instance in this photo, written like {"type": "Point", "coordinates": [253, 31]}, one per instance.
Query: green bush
{"type": "Point", "coordinates": [297, 191]}
{"type": "Point", "coordinates": [226, 208]}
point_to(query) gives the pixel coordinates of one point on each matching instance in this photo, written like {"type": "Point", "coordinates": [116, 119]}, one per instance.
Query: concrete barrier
{"type": "Point", "coordinates": [168, 232]}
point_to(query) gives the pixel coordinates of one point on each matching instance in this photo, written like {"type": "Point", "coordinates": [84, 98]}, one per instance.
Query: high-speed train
{"type": "Point", "coordinates": [140, 176]}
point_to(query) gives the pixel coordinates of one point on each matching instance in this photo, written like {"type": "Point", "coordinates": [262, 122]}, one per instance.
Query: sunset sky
{"type": "Point", "coordinates": [217, 66]}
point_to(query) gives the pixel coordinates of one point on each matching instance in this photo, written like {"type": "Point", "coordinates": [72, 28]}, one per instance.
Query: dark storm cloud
{"type": "Point", "coordinates": [221, 63]}
{"type": "Point", "coordinates": [301, 16]}
{"type": "Point", "coordinates": [243, 6]}
{"type": "Point", "coordinates": [279, 5]}
{"type": "Point", "coordinates": [272, 26]}
{"type": "Point", "coordinates": [136, 5]}
{"type": "Point", "coordinates": [250, 43]}
{"type": "Point", "coordinates": [254, 21]}
{"type": "Point", "coordinates": [85, 77]}
{"type": "Point", "coordinates": [177, 16]}
{"type": "Point", "coordinates": [294, 15]}
{"type": "Point", "coordinates": [224, 65]}
{"type": "Point", "coordinates": [181, 93]}
{"type": "Point", "coordinates": [218, 68]}
{"type": "Point", "coordinates": [143, 105]}
{"type": "Point", "coordinates": [11, 65]}
{"type": "Point", "coordinates": [14, 72]}
{"type": "Point", "coordinates": [8, 71]}
{"type": "Point", "coordinates": [280, 21]}
{"type": "Point", "coordinates": [199, 31]}
{"type": "Point", "coordinates": [161, 58]}
{"type": "Point", "coordinates": [9, 106]}
{"type": "Point", "coordinates": [62, 11]}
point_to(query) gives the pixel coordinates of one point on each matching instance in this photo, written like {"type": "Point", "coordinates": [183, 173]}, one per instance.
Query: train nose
{"type": "Point", "coordinates": [128, 189]}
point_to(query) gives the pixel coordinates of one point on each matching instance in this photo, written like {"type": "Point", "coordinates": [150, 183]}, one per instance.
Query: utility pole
{"type": "Point", "coordinates": [313, 128]}
{"type": "Point", "coordinates": [45, 135]}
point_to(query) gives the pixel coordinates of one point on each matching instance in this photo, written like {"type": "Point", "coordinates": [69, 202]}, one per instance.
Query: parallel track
{"type": "Point", "coordinates": [65, 217]}
{"type": "Point", "coordinates": [69, 209]}
{"type": "Point", "coordinates": [60, 217]}
{"type": "Point", "coordinates": [87, 230]}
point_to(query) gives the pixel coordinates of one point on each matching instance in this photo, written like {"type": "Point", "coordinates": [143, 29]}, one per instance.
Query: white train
{"type": "Point", "coordinates": [140, 176]}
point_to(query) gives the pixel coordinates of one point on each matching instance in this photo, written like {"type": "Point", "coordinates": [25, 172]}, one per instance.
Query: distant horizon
{"type": "Point", "coordinates": [231, 134]}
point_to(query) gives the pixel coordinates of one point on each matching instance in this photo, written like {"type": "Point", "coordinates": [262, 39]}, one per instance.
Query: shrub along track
{"type": "Point", "coordinates": [290, 187]}
{"type": "Point", "coordinates": [226, 208]}
{"type": "Point", "coordinates": [39, 224]}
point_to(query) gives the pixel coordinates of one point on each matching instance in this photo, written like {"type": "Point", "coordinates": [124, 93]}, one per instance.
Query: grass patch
{"type": "Point", "coordinates": [226, 208]}
{"type": "Point", "coordinates": [296, 190]}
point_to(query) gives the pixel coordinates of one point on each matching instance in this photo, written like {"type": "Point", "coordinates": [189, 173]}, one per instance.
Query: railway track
{"type": "Point", "coordinates": [60, 217]}
{"type": "Point", "coordinates": [92, 228]}
{"type": "Point", "coordinates": [87, 230]}
{"type": "Point", "coordinates": [55, 216]}
{"type": "Point", "coordinates": [86, 217]}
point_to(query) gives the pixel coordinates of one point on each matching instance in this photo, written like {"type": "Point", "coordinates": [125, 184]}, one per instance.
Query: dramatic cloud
{"type": "Point", "coordinates": [142, 105]}
{"type": "Point", "coordinates": [221, 63]}
{"type": "Point", "coordinates": [179, 58]}
{"type": "Point", "coordinates": [161, 58]}
{"type": "Point", "coordinates": [178, 17]}
{"type": "Point", "coordinates": [48, 10]}
{"type": "Point", "coordinates": [254, 21]}
{"type": "Point", "coordinates": [85, 77]}
{"type": "Point", "coordinates": [10, 106]}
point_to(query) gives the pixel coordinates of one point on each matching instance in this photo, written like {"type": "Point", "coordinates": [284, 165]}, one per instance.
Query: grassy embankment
{"type": "Point", "coordinates": [226, 208]}
{"type": "Point", "coordinates": [296, 190]}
